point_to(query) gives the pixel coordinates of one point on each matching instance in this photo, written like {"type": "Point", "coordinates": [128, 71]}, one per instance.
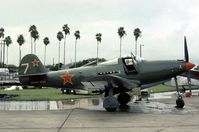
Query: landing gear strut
{"type": "Point", "coordinates": [179, 101]}
{"type": "Point", "coordinates": [110, 102]}
{"type": "Point", "coordinates": [123, 98]}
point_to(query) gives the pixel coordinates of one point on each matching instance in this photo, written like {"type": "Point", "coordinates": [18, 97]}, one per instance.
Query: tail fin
{"type": "Point", "coordinates": [31, 65]}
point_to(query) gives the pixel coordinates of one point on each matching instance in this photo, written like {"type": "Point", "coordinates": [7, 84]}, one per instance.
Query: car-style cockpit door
{"type": "Point", "coordinates": [129, 65]}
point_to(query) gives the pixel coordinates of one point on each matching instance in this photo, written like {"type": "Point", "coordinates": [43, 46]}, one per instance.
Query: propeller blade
{"type": "Point", "coordinates": [186, 50]}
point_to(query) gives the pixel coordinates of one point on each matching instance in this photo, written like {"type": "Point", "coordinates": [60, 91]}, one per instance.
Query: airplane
{"type": "Point", "coordinates": [117, 76]}
{"type": "Point", "coordinates": [189, 79]}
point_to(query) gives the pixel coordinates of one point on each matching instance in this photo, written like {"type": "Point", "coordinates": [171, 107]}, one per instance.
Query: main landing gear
{"type": "Point", "coordinates": [179, 101]}
{"type": "Point", "coordinates": [123, 98]}
{"type": "Point", "coordinates": [110, 102]}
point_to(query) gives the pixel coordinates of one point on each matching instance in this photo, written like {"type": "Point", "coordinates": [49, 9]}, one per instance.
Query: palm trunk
{"type": "Point", "coordinates": [35, 47]}
{"type": "Point", "coordinates": [19, 54]}
{"type": "Point", "coordinates": [3, 54]}
{"type": "Point", "coordinates": [7, 56]}
{"type": "Point", "coordinates": [75, 51]}
{"type": "Point", "coordinates": [45, 55]}
{"type": "Point", "coordinates": [97, 52]}
{"type": "Point", "coordinates": [136, 48]}
{"type": "Point", "coordinates": [31, 45]}
{"type": "Point", "coordinates": [59, 57]}
{"type": "Point", "coordinates": [64, 49]}
{"type": "Point", "coordinates": [120, 46]}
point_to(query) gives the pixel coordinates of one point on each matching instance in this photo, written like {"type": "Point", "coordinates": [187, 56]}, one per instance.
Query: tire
{"type": "Point", "coordinates": [180, 103]}
{"type": "Point", "coordinates": [123, 98]}
{"type": "Point", "coordinates": [111, 109]}
{"type": "Point", "coordinates": [110, 104]}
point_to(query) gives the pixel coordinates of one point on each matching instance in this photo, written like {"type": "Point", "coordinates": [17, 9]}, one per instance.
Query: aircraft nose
{"type": "Point", "coordinates": [189, 66]}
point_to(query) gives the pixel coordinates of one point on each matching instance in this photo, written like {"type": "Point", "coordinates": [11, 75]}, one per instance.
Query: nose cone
{"type": "Point", "coordinates": [189, 66]}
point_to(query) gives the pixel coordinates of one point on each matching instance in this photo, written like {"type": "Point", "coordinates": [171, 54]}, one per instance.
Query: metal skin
{"type": "Point", "coordinates": [112, 77]}
{"type": "Point", "coordinates": [145, 72]}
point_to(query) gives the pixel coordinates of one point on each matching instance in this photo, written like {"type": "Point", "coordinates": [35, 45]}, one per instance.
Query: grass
{"type": "Point", "coordinates": [161, 88]}
{"type": "Point", "coordinates": [44, 94]}
{"type": "Point", "coordinates": [155, 89]}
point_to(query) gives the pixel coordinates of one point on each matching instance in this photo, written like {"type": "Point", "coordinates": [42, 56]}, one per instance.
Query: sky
{"type": "Point", "coordinates": [163, 23]}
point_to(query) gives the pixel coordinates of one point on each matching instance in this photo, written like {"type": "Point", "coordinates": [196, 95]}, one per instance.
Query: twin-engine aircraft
{"type": "Point", "coordinates": [118, 76]}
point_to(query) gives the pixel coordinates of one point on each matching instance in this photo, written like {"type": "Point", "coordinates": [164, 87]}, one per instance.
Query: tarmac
{"type": "Point", "coordinates": [87, 115]}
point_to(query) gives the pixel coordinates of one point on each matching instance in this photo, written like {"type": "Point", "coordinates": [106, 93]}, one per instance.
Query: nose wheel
{"type": "Point", "coordinates": [179, 101]}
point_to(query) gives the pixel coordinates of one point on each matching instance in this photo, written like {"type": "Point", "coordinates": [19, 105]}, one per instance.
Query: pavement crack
{"type": "Point", "coordinates": [59, 129]}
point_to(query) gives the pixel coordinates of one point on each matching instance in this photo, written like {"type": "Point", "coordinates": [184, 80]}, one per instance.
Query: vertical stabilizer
{"type": "Point", "coordinates": [31, 65]}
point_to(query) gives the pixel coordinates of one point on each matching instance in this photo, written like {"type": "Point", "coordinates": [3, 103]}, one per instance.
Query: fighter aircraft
{"type": "Point", "coordinates": [189, 79]}
{"type": "Point", "coordinates": [118, 76]}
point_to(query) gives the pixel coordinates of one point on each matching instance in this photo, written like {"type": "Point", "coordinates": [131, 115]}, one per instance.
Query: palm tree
{"type": "Point", "coordinates": [46, 42]}
{"type": "Point", "coordinates": [121, 32]}
{"type": "Point", "coordinates": [1, 32]}
{"type": "Point", "coordinates": [77, 36]}
{"type": "Point", "coordinates": [99, 38]}
{"type": "Point", "coordinates": [20, 41]}
{"type": "Point", "coordinates": [32, 28]}
{"type": "Point", "coordinates": [35, 36]}
{"type": "Point", "coordinates": [1, 36]}
{"type": "Point", "coordinates": [8, 41]}
{"type": "Point", "coordinates": [66, 31]}
{"type": "Point", "coordinates": [60, 36]}
{"type": "Point", "coordinates": [137, 34]}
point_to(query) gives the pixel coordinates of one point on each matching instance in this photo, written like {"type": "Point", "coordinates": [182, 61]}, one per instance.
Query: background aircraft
{"type": "Point", "coordinates": [183, 80]}
{"type": "Point", "coordinates": [113, 77]}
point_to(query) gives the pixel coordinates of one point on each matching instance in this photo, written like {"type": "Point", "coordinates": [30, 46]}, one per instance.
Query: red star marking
{"type": "Point", "coordinates": [35, 63]}
{"type": "Point", "coordinates": [67, 77]}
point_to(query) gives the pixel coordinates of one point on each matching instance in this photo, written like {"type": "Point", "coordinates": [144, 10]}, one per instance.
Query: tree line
{"type": "Point", "coordinates": [34, 36]}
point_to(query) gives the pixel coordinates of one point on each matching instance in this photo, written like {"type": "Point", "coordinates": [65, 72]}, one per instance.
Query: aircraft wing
{"type": "Point", "coordinates": [100, 81]}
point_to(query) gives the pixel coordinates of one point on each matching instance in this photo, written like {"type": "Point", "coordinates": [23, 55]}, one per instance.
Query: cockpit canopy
{"type": "Point", "coordinates": [110, 62]}
{"type": "Point", "coordinates": [129, 65]}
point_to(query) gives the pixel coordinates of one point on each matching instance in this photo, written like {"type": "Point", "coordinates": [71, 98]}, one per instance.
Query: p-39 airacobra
{"type": "Point", "coordinates": [118, 76]}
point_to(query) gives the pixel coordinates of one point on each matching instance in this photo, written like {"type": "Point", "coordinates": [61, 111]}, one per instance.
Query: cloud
{"type": "Point", "coordinates": [163, 25]}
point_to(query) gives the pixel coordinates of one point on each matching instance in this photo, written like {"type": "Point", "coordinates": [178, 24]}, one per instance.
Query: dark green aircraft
{"type": "Point", "coordinates": [116, 76]}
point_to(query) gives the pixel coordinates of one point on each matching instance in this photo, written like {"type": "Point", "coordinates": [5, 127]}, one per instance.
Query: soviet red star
{"type": "Point", "coordinates": [35, 63]}
{"type": "Point", "coordinates": [67, 77]}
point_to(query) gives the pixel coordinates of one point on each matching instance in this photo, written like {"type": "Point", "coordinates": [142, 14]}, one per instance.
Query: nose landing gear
{"type": "Point", "coordinates": [179, 101]}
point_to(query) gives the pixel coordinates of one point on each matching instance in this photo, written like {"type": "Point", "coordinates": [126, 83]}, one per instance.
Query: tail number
{"type": "Point", "coordinates": [26, 67]}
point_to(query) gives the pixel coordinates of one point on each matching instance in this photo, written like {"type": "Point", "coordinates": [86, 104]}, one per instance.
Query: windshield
{"type": "Point", "coordinates": [111, 62]}
{"type": "Point", "coordinates": [128, 61]}
{"type": "Point", "coordinates": [129, 65]}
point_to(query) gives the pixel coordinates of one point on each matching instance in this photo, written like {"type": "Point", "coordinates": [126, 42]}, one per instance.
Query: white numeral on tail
{"type": "Point", "coordinates": [26, 67]}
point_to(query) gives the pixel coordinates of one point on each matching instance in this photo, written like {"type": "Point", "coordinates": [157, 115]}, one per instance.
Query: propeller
{"type": "Point", "coordinates": [186, 53]}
